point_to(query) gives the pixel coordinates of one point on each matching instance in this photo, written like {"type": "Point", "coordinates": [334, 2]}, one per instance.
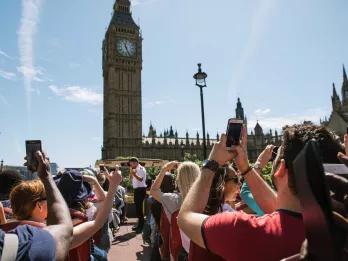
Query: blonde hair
{"type": "Point", "coordinates": [24, 197]}
{"type": "Point", "coordinates": [186, 175]}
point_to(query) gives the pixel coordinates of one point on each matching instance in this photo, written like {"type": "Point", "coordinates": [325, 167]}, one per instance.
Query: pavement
{"type": "Point", "coordinates": [128, 245]}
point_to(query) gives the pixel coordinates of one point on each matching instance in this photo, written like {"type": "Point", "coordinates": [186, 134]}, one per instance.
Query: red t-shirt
{"type": "Point", "coordinates": [239, 236]}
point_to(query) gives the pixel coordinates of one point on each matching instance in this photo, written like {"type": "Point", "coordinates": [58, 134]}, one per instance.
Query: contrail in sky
{"type": "Point", "coordinates": [26, 33]}
{"type": "Point", "coordinates": [259, 25]}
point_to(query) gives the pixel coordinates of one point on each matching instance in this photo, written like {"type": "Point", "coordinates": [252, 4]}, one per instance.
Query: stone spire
{"type": "Point", "coordinates": [152, 131]}
{"type": "Point", "coordinates": [345, 89]}
{"type": "Point", "coordinates": [258, 129]}
{"type": "Point", "coordinates": [336, 102]}
{"type": "Point", "coordinates": [171, 132]}
{"type": "Point", "coordinates": [239, 110]}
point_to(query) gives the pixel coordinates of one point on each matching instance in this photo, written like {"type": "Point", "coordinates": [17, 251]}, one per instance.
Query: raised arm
{"type": "Point", "coordinates": [135, 175]}
{"type": "Point", "coordinates": [98, 190]}
{"type": "Point", "coordinates": [263, 194]}
{"type": "Point", "coordinates": [2, 215]}
{"type": "Point", "coordinates": [59, 223]}
{"type": "Point", "coordinates": [86, 230]}
{"type": "Point", "coordinates": [155, 188]}
{"type": "Point", "coordinates": [190, 217]}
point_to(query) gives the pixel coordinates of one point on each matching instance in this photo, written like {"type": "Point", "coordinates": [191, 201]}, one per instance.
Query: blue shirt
{"type": "Point", "coordinates": [33, 244]}
{"type": "Point", "coordinates": [248, 198]}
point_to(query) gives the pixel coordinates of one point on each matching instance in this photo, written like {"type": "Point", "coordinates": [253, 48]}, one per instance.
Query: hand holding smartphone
{"type": "Point", "coordinates": [234, 132]}
{"type": "Point", "coordinates": [32, 146]}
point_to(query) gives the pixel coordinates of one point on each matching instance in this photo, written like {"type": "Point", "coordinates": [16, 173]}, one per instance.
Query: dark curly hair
{"type": "Point", "coordinates": [296, 136]}
{"type": "Point", "coordinates": [8, 180]}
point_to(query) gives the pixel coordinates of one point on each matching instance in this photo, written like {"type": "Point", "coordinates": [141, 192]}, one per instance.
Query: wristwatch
{"type": "Point", "coordinates": [257, 166]}
{"type": "Point", "coordinates": [211, 165]}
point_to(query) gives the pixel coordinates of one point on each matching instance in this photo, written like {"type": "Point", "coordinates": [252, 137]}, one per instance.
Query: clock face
{"type": "Point", "coordinates": [126, 48]}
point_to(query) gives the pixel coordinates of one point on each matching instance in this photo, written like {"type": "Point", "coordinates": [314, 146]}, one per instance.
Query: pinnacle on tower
{"type": "Point", "coordinates": [171, 132]}
{"type": "Point", "coordinates": [334, 93]}
{"type": "Point", "coordinates": [345, 89]}
{"type": "Point", "coordinates": [258, 129]}
{"type": "Point", "coordinates": [122, 6]}
{"type": "Point", "coordinates": [336, 102]}
{"type": "Point", "coordinates": [239, 110]}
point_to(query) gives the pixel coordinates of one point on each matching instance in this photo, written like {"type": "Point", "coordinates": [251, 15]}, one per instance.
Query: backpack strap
{"type": "Point", "coordinates": [9, 251]}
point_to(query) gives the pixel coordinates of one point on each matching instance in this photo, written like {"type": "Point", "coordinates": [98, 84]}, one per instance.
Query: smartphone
{"type": "Point", "coordinates": [339, 169]}
{"type": "Point", "coordinates": [274, 153]}
{"type": "Point", "coordinates": [234, 132]}
{"type": "Point", "coordinates": [32, 146]}
{"type": "Point", "coordinates": [347, 130]}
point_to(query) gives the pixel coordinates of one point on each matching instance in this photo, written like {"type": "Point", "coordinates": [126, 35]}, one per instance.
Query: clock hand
{"type": "Point", "coordinates": [125, 45]}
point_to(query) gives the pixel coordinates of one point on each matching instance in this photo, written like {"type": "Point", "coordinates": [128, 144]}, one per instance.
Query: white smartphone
{"type": "Point", "coordinates": [336, 169]}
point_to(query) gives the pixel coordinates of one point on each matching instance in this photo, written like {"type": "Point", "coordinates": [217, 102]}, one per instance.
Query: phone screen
{"type": "Point", "coordinates": [31, 147]}
{"type": "Point", "coordinates": [274, 153]}
{"type": "Point", "coordinates": [234, 132]}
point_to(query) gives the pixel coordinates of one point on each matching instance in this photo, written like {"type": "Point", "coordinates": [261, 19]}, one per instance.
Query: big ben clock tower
{"type": "Point", "coordinates": [122, 65]}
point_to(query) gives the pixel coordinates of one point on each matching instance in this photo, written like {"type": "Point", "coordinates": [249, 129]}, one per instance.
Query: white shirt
{"type": "Point", "coordinates": [185, 241]}
{"type": "Point", "coordinates": [141, 172]}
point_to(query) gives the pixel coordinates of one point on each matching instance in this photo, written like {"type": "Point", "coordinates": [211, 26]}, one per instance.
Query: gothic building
{"type": "Point", "coordinates": [122, 121]}
{"type": "Point", "coordinates": [338, 120]}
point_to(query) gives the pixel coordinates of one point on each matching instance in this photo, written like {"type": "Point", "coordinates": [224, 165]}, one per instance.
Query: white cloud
{"type": "Point", "coordinates": [35, 74]}
{"type": "Point", "coordinates": [2, 53]}
{"type": "Point", "coordinates": [155, 103]}
{"type": "Point", "coordinates": [77, 94]}
{"type": "Point", "coordinates": [262, 111]}
{"type": "Point", "coordinates": [7, 75]}
{"type": "Point", "coordinates": [74, 65]}
{"type": "Point", "coordinates": [277, 122]}
{"type": "Point", "coordinates": [26, 32]}
{"type": "Point", "coordinates": [141, 2]}
{"type": "Point", "coordinates": [151, 104]}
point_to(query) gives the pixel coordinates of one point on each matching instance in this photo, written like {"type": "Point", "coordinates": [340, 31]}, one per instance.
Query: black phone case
{"type": "Point", "coordinates": [31, 147]}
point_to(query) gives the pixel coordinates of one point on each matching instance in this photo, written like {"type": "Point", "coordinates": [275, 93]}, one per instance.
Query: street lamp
{"type": "Point", "coordinates": [200, 82]}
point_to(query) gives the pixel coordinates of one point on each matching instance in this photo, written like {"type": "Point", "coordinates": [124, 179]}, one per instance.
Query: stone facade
{"type": "Point", "coordinates": [338, 120]}
{"type": "Point", "coordinates": [122, 137]}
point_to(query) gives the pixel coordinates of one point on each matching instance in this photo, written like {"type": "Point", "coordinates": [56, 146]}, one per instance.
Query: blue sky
{"type": "Point", "coordinates": [279, 57]}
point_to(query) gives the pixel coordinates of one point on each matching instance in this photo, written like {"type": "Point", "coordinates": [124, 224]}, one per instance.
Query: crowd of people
{"type": "Point", "coordinates": [222, 210]}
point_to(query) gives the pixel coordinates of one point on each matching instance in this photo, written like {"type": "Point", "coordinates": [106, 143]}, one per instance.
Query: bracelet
{"type": "Point", "coordinates": [246, 172]}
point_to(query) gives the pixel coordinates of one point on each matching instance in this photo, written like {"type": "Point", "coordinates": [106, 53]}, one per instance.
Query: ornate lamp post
{"type": "Point", "coordinates": [200, 82]}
